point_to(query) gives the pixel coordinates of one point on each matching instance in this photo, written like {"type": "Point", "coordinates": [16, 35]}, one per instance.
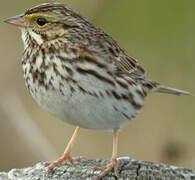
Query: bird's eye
{"type": "Point", "coordinates": [41, 21]}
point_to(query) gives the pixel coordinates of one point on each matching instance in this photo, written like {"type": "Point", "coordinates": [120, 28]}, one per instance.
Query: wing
{"type": "Point", "coordinates": [129, 66]}
{"type": "Point", "coordinates": [106, 50]}
{"type": "Point", "coordinates": [124, 63]}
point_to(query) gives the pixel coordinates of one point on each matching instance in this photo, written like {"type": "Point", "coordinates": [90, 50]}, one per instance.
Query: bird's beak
{"type": "Point", "coordinates": [17, 21]}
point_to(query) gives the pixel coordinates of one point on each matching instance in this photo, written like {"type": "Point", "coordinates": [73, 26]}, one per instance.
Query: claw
{"type": "Point", "coordinates": [68, 160]}
{"type": "Point", "coordinates": [108, 168]}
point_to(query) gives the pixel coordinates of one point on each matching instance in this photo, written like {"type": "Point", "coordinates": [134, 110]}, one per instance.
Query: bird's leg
{"type": "Point", "coordinates": [113, 162]}
{"type": "Point", "coordinates": [66, 155]}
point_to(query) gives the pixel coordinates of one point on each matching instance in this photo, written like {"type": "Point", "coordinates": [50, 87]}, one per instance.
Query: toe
{"type": "Point", "coordinates": [51, 165]}
{"type": "Point", "coordinates": [67, 159]}
{"type": "Point", "coordinates": [105, 170]}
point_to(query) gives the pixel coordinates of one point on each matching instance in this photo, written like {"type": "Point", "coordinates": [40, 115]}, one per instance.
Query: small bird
{"type": "Point", "coordinates": [80, 74]}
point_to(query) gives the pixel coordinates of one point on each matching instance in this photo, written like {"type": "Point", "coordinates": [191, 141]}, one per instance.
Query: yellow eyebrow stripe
{"type": "Point", "coordinates": [36, 16]}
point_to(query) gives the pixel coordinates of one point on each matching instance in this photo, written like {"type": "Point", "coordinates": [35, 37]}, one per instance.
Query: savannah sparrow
{"type": "Point", "coordinates": [80, 74]}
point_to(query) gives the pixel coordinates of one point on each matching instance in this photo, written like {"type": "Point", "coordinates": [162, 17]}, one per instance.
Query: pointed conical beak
{"type": "Point", "coordinates": [16, 21]}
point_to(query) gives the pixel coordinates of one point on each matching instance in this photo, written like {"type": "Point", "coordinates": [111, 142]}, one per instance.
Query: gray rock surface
{"type": "Point", "coordinates": [128, 169]}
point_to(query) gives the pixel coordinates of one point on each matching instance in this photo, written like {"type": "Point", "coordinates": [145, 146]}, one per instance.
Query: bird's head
{"type": "Point", "coordinates": [46, 22]}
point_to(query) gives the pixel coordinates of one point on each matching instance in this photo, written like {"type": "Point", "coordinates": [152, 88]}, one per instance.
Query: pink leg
{"type": "Point", "coordinates": [113, 162]}
{"type": "Point", "coordinates": [66, 155]}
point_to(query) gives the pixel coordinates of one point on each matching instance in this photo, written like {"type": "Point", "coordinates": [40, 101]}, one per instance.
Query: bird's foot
{"type": "Point", "coordinates": [66, 158]}
{"type": "Point", "coordinates": [108, 168]}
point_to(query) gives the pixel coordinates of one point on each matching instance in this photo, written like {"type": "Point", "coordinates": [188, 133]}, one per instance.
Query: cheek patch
{"type": "Point", "coordinates": [37, 37]}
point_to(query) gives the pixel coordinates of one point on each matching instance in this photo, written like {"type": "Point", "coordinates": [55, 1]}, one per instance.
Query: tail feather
{"type": "Point", "coordinates": [150, 87]}
{"type": "Point", "coordinates": [169, 90]}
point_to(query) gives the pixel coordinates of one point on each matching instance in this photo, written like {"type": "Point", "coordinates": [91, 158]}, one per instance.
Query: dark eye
{"type": "Point", "coordinates": [41, 21]}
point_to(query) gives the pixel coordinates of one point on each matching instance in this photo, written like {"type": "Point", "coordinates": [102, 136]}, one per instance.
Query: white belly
{"type": "Point", "coordinates": [87, 111]}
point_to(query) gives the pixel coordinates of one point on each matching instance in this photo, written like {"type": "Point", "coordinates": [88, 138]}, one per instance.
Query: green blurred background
{"type": "Point", "coordinates": [160, 34]}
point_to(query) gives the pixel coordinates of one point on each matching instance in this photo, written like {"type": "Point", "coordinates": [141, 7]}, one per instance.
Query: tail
{"type": "Point", "coordinates": [151, 87]}
{"type": "Point", "coordinates": [169, 90]}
